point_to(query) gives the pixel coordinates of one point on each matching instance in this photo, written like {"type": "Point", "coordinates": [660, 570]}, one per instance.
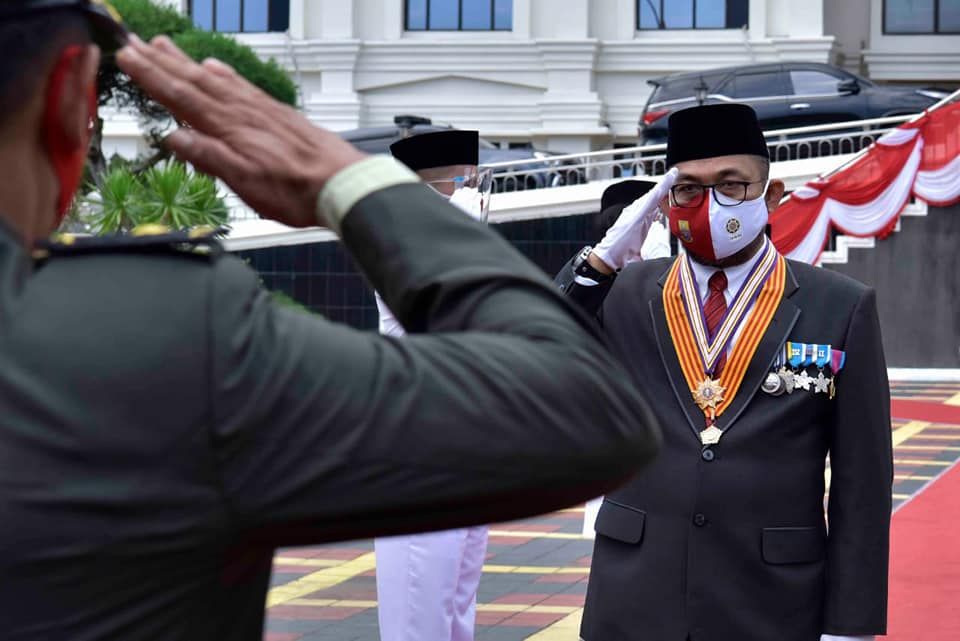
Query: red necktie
{"type": "Point", "coordinates": [714, 310]}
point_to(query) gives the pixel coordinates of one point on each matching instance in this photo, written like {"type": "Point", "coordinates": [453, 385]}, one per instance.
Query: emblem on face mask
{"type": "Point", "coordinates": [733, 226]}
{"type": "Point", "coordinates": [684, 227]}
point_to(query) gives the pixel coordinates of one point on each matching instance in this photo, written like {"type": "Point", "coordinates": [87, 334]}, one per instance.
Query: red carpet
{"type": "Point", "coordinates": [925, 565]}
{"type": "Point", "coordinates": [925, 411]}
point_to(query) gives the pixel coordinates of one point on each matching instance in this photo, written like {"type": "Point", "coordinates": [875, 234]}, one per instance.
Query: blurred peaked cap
{"type": "Point", "coordinates": [438, 149]}
{"type": "Point", "coordinates": [710, 131]}
{"type": "Point", "coordinates": [106, 25]}
{"type": "Point", "coordinates": [624, 193]}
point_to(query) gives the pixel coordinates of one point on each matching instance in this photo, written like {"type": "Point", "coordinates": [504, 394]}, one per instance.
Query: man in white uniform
{"type": "Point", "coordinates": [427, 583]}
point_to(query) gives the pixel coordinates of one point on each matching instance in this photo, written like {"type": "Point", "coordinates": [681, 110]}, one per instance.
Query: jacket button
{"type": "Point", "coordinates": [699, 520]}
{"type": "Point", "coordinates": [708, 455]}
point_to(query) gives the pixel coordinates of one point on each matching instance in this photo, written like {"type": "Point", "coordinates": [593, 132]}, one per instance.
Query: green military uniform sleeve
{"type": "Point", "coordinates": [507, 408]}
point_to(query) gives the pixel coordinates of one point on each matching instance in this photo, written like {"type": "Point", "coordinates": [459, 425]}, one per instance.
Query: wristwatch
{"type": "Point", "coordinates": [583, 268]}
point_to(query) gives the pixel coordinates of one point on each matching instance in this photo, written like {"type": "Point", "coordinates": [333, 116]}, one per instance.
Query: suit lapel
{"type": "Point", "coordinates": [668, 356]}
{"type": "Point", "coordinates": [773, 339]}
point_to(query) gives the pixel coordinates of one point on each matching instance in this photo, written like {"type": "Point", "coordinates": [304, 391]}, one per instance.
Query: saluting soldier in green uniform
{"type": "Point", "coordinates": [164, 427]}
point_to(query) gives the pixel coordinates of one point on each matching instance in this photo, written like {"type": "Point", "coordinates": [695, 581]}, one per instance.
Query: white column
{"type": "Point", "coordinates": [570, 110]}
{"type": "Point", "coordinates": [758, 18]}
{"type": "Point", "coordinates": [613, 19]}
{"type": "Point", "coordinates": [796, 30]}
{"type": "Point", "coordinates": [298, 19]}
{"type": "Point", "coordinates": [327, 58]}
{"type": "Point", "coordinates": [788, 18]}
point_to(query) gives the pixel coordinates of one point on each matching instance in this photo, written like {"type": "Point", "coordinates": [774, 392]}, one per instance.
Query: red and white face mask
{"type": "Point", "coordinates": [713, 231]}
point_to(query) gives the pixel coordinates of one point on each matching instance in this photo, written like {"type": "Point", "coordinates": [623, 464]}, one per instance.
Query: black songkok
{"type": "Point", "coordinates": [624, 193]}
{"type": "Point", "coordinates": [438, 149]}
{"type": "Point", "coordinates": [714, 130]}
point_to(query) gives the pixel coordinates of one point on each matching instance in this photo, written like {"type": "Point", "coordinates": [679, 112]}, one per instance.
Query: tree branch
{"type": "Point", "coordinates": [158, 157]}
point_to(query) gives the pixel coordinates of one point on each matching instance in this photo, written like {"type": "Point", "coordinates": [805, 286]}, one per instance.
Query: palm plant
{"type": "Point", "coordinates": [119, 204]}
{"type": "Point", "coordinates": [179, 199]}
{"type": "Point", "coordinates": [168, 194]}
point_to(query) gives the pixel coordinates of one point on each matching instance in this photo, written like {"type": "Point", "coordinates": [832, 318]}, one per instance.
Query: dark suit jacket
{"type": "Point", "coordinates": [164, 426]}
{"type": "Point", "coordinates": [732, 546]}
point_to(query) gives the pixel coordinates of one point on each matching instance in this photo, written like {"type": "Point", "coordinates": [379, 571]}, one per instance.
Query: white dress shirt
{"type": "Point", "coordinates": [736, 277]}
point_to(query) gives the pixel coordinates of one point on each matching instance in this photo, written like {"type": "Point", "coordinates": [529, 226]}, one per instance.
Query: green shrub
{"type": "Point", "coordinates": [269, 76]}
{"type": "Point", "coordinates": [283, 299]}
{"type": "Point", "coordinates": [148, 19]}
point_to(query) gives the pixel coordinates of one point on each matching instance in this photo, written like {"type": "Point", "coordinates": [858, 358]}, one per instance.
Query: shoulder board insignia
{"type": "Point", "coordinates": [143, 239]}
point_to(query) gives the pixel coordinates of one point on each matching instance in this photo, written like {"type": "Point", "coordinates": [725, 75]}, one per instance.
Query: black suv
{"type": "Point", "coordinates": [541, 171]}
{"type": "Point", "coordinates": [784, 95]}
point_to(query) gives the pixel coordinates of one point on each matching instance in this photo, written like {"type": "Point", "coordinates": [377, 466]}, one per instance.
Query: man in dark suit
{"type": "Point", "coordinates": [165, 426]}
{"type": "Point", "coordinates": [763, 368]}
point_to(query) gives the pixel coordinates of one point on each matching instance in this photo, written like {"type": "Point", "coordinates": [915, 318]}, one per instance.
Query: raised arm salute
{"type": "Point", "coordinates": [165, 427]}
{"type": "Point", "coordinates": [761, 367]}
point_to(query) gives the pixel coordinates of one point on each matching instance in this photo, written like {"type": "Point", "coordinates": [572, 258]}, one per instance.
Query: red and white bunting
{"type": "Point", "coordinates": [866, 198]}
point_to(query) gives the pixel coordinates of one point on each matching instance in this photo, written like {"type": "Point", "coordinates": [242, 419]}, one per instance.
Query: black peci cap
{"type": "Point", "coordinates": [438, 149]}
{"type": "Point", "coordinates": [106, 25]}
{"type": "Point", "coordinates": [714, 130]}
{"type": "Point", "coordinates": [624, 193]}
{"type": "Point", "coordinates": [613, 201]}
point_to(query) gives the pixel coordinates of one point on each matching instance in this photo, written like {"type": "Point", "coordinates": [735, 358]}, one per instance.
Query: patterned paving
{"type": "Point", "coordinates": [535, 575]}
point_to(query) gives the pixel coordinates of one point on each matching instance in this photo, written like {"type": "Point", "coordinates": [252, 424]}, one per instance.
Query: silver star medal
{"type": "Point", "coordinates": [821, 384]}
{"type": "Point", "coordinates": [787, 377]}
{"type": "Point", "coordinates": [803, 380]}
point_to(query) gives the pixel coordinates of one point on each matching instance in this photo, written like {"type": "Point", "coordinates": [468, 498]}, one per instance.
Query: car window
{"type": "Point", "coordinates": [676, 90]}
{"type": "Point", "coordinates": [680, 88]}
{"type": "Point", "coordinates": [814, 83]}
{"type": "Point", "coordinates": [757, 85]}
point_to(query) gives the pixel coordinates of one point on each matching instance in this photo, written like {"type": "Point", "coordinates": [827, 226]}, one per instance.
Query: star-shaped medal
{"type": "Point", "coordinates": [803, 380]}
{"type": "Point", "coordinates": [787, 377]}
{"type": "Point", "coordinates": [821, 384]}
{"type": "Point", "coordinates": [709, 394]}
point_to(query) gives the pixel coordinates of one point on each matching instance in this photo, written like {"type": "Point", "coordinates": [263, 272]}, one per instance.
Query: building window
{"type": "Point", "coordinates": [921, 16]}
{"type": "Point", "coordinates": [241, 16]}
{"type": "Point", "coordinates": [692, 14]}
{"type": "Point", "coordinates": [459, 15]}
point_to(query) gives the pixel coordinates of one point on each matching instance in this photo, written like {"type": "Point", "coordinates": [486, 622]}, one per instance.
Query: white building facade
{"type": "Point", "coordinates": [566, 75]}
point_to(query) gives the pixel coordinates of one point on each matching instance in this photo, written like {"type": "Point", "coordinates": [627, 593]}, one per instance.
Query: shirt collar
{"type": "Point", "coordinates": [736, 275]}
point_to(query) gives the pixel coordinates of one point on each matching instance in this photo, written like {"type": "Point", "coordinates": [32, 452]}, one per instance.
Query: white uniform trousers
{"type": "Point", "coordinates": [427, 584]}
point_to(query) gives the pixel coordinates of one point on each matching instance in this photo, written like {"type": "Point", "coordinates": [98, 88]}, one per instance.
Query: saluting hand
{"type": "Point", "coordinates": [267, 152]}
{"type": "Point", "coordinates": [623, 241]}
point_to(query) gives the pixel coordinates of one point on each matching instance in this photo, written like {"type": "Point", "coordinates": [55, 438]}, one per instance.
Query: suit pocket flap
{"type": "Point", "coordinates": [782, 545]}
{"type": "Point", "coordinates": [620, 522]}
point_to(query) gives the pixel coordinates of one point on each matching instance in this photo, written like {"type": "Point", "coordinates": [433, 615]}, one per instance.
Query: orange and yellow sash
{"type": "Point", "coordinates": [693, 357]}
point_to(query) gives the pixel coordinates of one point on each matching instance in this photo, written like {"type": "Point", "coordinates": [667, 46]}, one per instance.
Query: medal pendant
{"type": "Point", "coordinates": [787, 377]}
{"type": "Point", "coordinates": [773, 384]}
{"type": "Point", "coordinates": [833, 389]}
{"type": "Point", "coordinates": [802, 380]}
{"type": "Point", "coordinates": [709, 394]}
{"type": "Point", "coordinates": [821, 384]}
{"type": "Point", "coordinates": [711, 435]}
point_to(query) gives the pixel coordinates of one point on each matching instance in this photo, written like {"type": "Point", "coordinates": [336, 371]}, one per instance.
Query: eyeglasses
{"type": "Point", "coordinates": [727, 194]}
{"type": "Point", "coordinates": [480, 179]}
